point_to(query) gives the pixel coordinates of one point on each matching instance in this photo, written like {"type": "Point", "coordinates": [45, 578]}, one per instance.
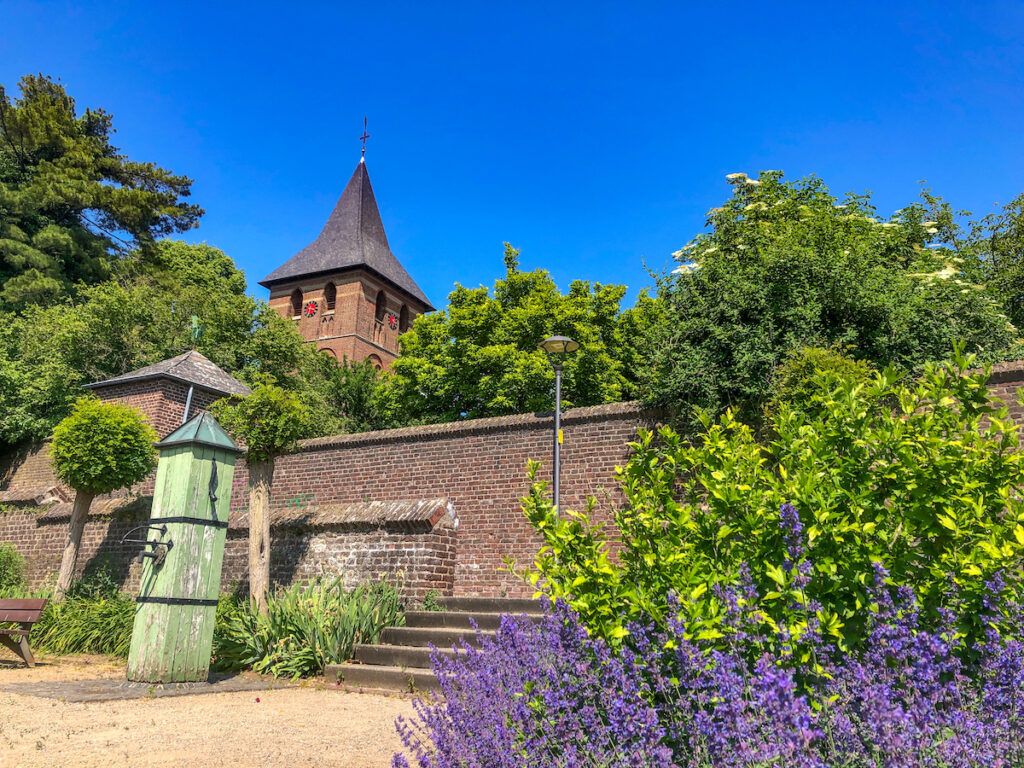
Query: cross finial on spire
{"type": "Point", "coordinates": [363, 139]}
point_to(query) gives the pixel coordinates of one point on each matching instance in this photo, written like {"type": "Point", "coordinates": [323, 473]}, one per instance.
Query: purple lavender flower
{"type": "Point", "coordinates": [548, 694]}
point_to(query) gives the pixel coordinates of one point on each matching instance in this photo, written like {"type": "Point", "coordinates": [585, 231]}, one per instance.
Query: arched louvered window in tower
{"type": "Point", "coordinates": [381, 307]}
{"type": "Point", "coordinates": [403, 319]}
{"type": "Point", "coordinates": [296, 302]}
{"type": "Point", "coordinates": [330, 297]}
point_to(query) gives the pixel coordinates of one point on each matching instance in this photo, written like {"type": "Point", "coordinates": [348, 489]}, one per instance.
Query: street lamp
{"type": "Point", "coordinates": [556, 348]}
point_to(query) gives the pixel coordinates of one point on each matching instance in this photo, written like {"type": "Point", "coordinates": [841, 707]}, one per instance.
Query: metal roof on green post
{"type": "Point", "coordinates": [201, 428]}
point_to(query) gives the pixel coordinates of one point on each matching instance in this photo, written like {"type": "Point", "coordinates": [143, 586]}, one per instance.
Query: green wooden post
{"type": "Point", "coordinates": [177, 604]}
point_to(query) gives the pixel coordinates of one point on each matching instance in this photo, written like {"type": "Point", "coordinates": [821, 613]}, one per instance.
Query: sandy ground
{"type": "Point", "coordinates": [309, 725]}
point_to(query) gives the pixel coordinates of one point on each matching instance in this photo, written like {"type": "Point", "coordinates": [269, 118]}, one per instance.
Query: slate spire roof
{"type": "Point", "coordinates": [190, 368]}
{"type": "Point", "coordinates": [352, 237]}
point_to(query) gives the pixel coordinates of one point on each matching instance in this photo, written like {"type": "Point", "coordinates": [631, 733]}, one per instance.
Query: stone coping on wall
{"type": "Point", "coordinates": [520, 421]}
{"type": "Point", "coordinates": [130, 507]}
{"type": "Point", "coordinates": [413, 515]}
{"type": "Point", "coordinates": [36, 496]}
{"type": "Point", "coordinates": [1005, 372]}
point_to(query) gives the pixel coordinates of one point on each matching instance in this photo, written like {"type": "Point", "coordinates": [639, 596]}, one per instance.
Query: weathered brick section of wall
{"type": "Point", "coordinates": [420, 561]}
{"type": "Point", "coordinates": [41, 542]}
{"type": "Point", "coordinates": [1006, 379]}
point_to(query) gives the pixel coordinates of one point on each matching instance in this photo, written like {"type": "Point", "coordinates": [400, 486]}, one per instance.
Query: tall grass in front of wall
{"type": "Point", "coordinates": [306, 627]}
{"type": "Point", "coordinates": [95, 616]}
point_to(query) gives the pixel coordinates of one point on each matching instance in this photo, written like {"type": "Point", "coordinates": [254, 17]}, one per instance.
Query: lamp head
{"type": "Point", "coordinates": [558, 345]}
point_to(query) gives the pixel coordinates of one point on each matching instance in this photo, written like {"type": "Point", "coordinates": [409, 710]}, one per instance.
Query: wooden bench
{"type": "Point", "coordinates": [25, 613]}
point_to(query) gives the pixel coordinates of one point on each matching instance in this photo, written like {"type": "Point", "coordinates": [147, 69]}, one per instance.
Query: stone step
{"type": "Point", "coordinates": [373, 677]}
{"type": "Point", "coordinates": [513, 605]}
{"type": "Point", "coordinates": [454, 619]}
{"type": "Point", "coordinates": [397, 655]}
{"type": "Point", "coordinates": [441, 637]}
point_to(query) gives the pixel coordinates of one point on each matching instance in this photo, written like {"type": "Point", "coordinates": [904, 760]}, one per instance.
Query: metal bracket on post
{"type": "Point", "coordinates": [160, 548]}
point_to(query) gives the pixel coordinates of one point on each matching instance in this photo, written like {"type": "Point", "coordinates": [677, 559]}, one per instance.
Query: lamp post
{"type": "Point", "coordinates": [556, 348]}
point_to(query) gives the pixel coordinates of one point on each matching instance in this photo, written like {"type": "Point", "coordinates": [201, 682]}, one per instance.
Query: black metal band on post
{"type": "Point", "coordinates": [193, 521]}
{"type": "Point", "coordinates": [175, 600]}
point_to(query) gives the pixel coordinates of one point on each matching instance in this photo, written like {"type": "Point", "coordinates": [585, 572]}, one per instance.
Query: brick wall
{"type": "Point", "coordinates": [420, 561]}
{"type": "Point", "coordinates": [41, 542]}
{"type": "Point", "coordinates": [479, 467]}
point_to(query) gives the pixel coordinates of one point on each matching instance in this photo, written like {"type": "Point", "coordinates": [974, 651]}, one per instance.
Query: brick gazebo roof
{"type": "Point", "coordinates": [191, 368]}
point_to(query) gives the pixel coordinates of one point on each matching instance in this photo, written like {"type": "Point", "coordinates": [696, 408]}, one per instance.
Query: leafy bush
{"type": "Point", "coordinates": [99, 579]}
{"type": "Point", "coordinates": [924, 478]}
{"type": "Point", "coordinates": [431, 601]}
{"type": "Point", "coordinates": [798, 379]}
{"type": "Point", "coordinates": [305, 627]}
{"type": "Point", "coordinates": [12, 568]}
{"type": "Point", "coordinates": [551, 694]}
{"type": "Point", "coordinates": [787, 265]}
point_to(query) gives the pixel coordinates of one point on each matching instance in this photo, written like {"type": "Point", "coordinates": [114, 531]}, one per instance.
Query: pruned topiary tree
{"type": "Point", "coordinates": [270, 422]}
{"type": "Point", "coordinates": [100, 447]}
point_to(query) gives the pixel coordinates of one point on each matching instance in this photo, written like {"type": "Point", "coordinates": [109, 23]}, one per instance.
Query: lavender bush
{"type": "Point", "coordinates": [550, 694]}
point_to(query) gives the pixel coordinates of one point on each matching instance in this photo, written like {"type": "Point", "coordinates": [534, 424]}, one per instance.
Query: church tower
{"type": "Point", "coordinates": [346, 291]}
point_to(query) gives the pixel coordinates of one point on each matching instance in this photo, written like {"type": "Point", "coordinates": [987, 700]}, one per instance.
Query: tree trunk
{"type": "Point", "coordinates": [79, 514]}
{"type": "Point", "coordinates": [261, 477]}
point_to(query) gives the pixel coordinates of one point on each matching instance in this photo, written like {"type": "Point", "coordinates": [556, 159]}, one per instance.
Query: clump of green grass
{"type": "Point", "coordinates": [306, 627]}
{"type": "Point", "coordinates": [86, 624]}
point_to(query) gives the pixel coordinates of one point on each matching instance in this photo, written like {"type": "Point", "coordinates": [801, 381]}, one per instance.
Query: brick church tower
{"type": "Point", "coordinates": [346, 291]}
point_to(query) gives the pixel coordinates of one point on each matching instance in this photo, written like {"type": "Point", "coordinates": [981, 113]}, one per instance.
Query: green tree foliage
{"type": "Point", "coordinates": [787, 265]}
{"type": "Point", "coordinates": [479, 356]}
{"type": "Point", "coordinates": [146, 313]}
{"type": "Point", "coordinates": [797, 381]}
{"type": "Point", "coordinates": [924, 478]}
{"type": "Point", "coordinates": [270, 422]}
{"type": "Point", "coordinates": [990, 249]}
{"type": "Point", "coordinates": [102, 447]}
{"type": "Point", "coordinates": [98, 448]}
{"type": "Point", "coordinates": [70, 203]}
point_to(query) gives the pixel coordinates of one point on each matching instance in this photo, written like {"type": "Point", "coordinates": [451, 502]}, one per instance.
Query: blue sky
{"type": "Point", "coordinates": [594, 136]}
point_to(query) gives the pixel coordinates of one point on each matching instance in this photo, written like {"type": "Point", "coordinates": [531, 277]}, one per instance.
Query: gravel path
{"type": "Point", "coordinates": [301, 726]}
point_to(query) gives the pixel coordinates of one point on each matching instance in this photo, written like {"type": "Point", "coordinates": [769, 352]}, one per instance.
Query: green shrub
{"type": "Point", "coordinates": [431, 600]}
{"type": "Point", "coordinates": [12, 568]}
{"type": "Point", "coordinates": [99, 579]}
{"type": "Point", "coordinates": [306, 627]}
{"type": "Point", "coordinates": [924, 478]}
{"type": "Point", "coordinates": [798, 379]}
{"type": "Point", "coordinates": [101, 447]}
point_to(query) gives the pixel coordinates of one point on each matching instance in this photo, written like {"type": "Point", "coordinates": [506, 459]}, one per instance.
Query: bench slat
{"type": "Point", "coordinates": [24, 604]}
{"type": "Point", "coordinates": [30, 616]}
{"type": "Point", "coordinates": [22, 632]}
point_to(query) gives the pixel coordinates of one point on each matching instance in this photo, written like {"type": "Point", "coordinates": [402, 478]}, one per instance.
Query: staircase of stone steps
{"type": "Point", "coordinates": [401, 660]}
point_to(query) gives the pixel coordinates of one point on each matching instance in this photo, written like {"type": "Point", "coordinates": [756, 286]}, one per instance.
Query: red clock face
{"type": "Point", "coordinates": [311, 308]}
{"type": "Point", "coordinates": [392, 319]}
